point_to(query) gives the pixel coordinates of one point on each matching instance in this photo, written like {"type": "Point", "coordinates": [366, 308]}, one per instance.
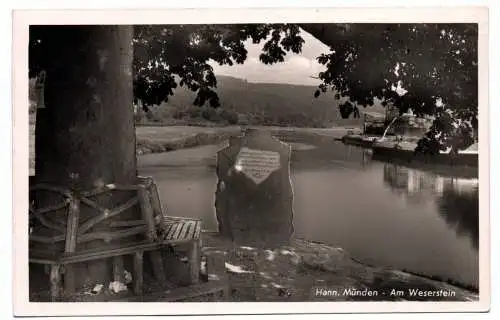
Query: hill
{"type": "Point", "coordinates": [245, 102]}
{"type": "Point", "coordinates": [256, 103]}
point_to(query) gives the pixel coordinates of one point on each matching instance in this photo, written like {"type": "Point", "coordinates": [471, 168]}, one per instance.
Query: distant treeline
{"type": "Point", "coordinates": [253, 104]}
{"type": "Point", "coordinates": [243, 103]}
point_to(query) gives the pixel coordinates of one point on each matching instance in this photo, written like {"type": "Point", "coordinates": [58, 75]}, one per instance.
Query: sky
{"type": "Point", "coordinates": [296, 69]}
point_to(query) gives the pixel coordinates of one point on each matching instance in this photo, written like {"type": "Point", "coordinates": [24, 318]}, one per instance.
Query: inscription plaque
{"type": "Point", "coordinates": [257, 164]}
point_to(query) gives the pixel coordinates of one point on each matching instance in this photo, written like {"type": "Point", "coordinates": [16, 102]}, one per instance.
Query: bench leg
{"type": "Point", "coordinates": [157, 262]}
{"type": "Point", "coordinates": [69, 279]}
{"type": "Point", "coordinates": [55, 281]}
{"type": "Point", "coordinates": [227, 292]}
{"type": "Point", "coordinates": [118, 269]}
{"type": "Point", "coordinates": [138, 273]}
{"type": "Point", "coordinates": [194, 256]}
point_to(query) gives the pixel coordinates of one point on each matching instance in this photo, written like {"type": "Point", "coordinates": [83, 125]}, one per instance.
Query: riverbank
{"type": "Point", "coordinates": [464, 165]}
{"type": "Point", "coordinates": [300, 271]}
{"type": "Point", "coordinates": [156, 139]}
{"type": "Point", "coordinates": [303, 271]}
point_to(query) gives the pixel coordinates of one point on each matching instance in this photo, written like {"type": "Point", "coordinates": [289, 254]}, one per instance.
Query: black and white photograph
{"type": "Point", "coordinates": [253, 161]}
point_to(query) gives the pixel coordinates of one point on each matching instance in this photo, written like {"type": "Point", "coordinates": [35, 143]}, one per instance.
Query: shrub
{"type": "Point", "coordinates": [208, 113]}
{"type": "Point", "coordinates": [230, 116]}
{"type": "Point", "coordinates": [193, 112]}
{"type": "Point", "coordinates": [217, 118]}
{"type": "Point", "coordinates": [138, 118]}
{"type": "Point", "coordinates": [151, 116]}
{"type": "Point", "coordinates": [179, 114]}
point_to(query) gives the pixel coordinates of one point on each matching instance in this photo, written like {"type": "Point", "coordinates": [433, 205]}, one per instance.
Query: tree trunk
{"type": "Point", "coordinates": [85, 135]}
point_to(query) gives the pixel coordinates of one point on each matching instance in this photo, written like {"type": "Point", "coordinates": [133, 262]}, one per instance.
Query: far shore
{"type": "Point", "coordinates": [154, 139]}
{"type": "Point", "coordinates": [158, 139]}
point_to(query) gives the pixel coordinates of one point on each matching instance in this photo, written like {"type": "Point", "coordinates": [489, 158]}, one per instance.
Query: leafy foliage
{"type": "Point", "coordinates": [167, 56]}
{"type": "Point", "coordinates": [366, 62]}
{"type": "Point", "coordinates": [408, 66]}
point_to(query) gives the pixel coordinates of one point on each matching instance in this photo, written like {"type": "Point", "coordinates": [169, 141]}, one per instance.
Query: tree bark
{"type": "Point", "coordinates": [85, 135]}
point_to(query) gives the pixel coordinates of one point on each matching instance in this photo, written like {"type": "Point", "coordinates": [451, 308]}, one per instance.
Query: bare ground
{"type": "Point", "coordinates": [290, 273]}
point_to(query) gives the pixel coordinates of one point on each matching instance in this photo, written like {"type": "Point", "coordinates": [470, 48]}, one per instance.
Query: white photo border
{"type": "Point", "coordinates": [21, 21]}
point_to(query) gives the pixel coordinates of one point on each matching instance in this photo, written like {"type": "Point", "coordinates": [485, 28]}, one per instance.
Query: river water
{"type": "Point", "coordinates": [381, 213]}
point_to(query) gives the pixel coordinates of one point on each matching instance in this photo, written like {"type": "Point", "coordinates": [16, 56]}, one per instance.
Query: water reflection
{"type": "Point", "coordinates": [457, 199]}
{"type": "Point", "coordinates": [459, 207]}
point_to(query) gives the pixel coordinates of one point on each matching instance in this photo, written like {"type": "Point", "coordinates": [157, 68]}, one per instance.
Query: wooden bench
{"type": "Point", "coordinates": [176, 231]}
{"type": "Point", "coordinates": [60, 237]}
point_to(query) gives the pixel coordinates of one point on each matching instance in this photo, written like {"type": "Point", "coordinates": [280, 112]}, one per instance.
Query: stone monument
{"type": "Point", "coordinates": [254, 197]}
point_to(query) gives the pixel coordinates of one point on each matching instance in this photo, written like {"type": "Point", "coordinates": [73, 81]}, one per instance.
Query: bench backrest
{"type": "Point", "coordinates": [48, 225]}
{"type": "Point", "coordinates": [67, 227]}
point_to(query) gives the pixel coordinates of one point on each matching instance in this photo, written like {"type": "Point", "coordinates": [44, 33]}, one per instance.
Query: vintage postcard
{"type": "Point", "coordinates": [251, 161]}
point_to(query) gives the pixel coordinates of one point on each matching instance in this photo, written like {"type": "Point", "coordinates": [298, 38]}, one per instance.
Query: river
{"type": "Point", "coordinates": [382, 214]}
